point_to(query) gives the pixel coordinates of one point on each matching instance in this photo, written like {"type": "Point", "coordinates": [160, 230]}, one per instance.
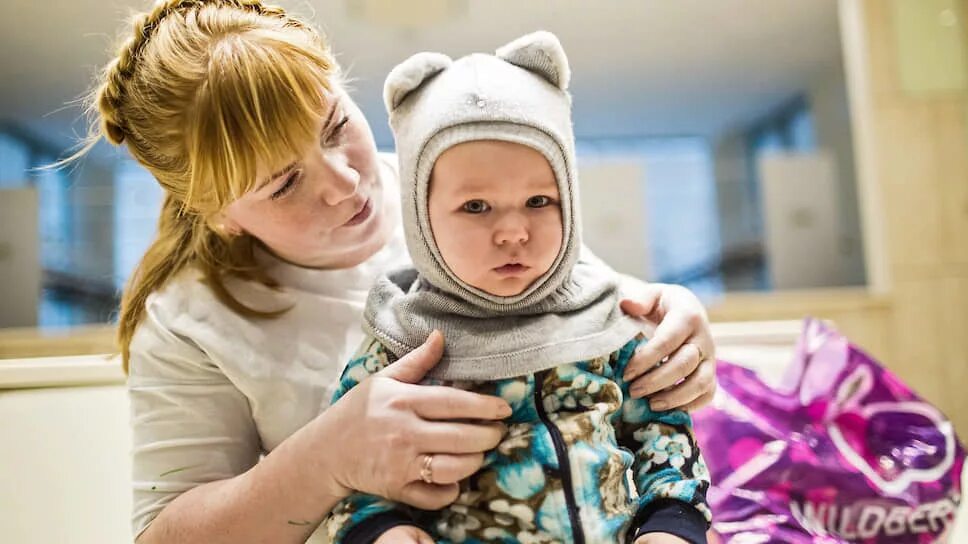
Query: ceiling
{"type": "Point", "coordinates": [640, 67]}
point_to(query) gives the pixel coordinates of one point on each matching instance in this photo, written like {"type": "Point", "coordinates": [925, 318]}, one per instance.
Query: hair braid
{"type": "Point", "coordinates": [118, 72]}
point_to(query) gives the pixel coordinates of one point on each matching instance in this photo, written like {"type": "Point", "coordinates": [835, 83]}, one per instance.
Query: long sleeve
{"type": "Point", "coordinates": [668, 470]}
{"type": "Point", "coordinates": [362, 518]}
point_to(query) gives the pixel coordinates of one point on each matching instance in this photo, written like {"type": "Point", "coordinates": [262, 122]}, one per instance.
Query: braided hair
{"type": "Point", "coordinates": [120, 70]}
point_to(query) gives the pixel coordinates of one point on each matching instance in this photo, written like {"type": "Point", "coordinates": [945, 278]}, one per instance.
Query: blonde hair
{"type": "Point", "coordinates": [207, 95]}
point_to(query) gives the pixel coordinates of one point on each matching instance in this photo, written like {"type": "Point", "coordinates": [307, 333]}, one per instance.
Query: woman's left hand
{"type": "Point", "coordinates": [687, 379]}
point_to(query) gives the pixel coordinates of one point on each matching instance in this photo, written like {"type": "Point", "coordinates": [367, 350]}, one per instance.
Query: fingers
{"type": "Point", "coordinates": [671, 333]}
{"type": "Point", "coordinates": [446, 403]}
{"type": "Point", "coordinates": [700, 383]}
{"type": "Point", "coordinates": [642, 307]}
{"type": "Point", "coordinates": [424, 538]}
{"type": "Point", "coordinates": [446, 468]}
{"type": "Point", "coordinates": [701, 402]}
{"type": "Point", "coordinates": [680, 315]}
{"type": "Point", "coordinates": [679, 366]}
{"type": "Point", "coordinates": [412, 367]}
{"type": "Point", "coordinates": [428, 496]}
{"type": "Point", "coordinates": [447, 437]}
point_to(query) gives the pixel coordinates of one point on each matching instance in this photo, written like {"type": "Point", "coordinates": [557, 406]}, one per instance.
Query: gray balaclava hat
{"type": "Point", "coordinates": [518, 95]}
{"type": "Point", "coordinates": [568, 314]}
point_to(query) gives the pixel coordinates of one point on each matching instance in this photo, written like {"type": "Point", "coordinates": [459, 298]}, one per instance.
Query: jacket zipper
{"type": "Point", "coordinates": [563, 465]}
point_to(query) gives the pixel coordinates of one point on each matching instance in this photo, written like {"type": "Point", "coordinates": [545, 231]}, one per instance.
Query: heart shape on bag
{"type": "Point", "coordinates": [893, 444]}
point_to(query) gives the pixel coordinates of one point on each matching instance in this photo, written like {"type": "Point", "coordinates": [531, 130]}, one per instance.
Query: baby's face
{"type": "Point", "coordinates": [495, 213]}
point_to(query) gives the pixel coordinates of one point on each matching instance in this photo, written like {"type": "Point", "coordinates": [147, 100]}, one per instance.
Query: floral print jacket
{"type": "Point", "coordinates": [582, 462]}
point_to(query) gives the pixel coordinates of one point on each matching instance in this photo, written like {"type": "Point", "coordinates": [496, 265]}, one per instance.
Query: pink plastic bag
{"type": "Point", "coordinates": [840, 451]}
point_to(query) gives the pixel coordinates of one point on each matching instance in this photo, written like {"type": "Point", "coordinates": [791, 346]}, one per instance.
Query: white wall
{"type": "Point", "coordinates": [831, 119]}
{"type": "Point", "coordinates": [66, 466]}
{"type": "Point", "coordinates": [736, 202]}
{"type": "Point", "coordinates": [802, 223]}
{"type": "Point", "coordinates": [665, 205]}
{"type": "Point", "coordinates": [614, 228]}
{"type": "Point", "coordinates": [19, 258]}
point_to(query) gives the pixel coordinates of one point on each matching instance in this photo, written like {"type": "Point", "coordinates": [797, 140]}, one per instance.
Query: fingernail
{"type": "Point", "coordinates": [644, 386]}
{"type": "Point", "coordinates": [504, 411]}
{"type": "Point", "coordinates": [658, 405]}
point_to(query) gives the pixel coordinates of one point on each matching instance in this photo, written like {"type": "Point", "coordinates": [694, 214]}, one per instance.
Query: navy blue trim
{"type": "Point", "coordinates": [368, 530]}
{"type": "Point", "coordinates": [673, 517]}
{"type": "Point", "coordinates": [564, 467]}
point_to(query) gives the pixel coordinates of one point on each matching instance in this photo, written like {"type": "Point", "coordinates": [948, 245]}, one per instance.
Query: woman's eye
{"type": "Point", "coordinates": [475, 206]}
{"type": "Point", "coordinates": [539, 201]}
{"type": "Point", "coordinates": [337, 130]}
{"type": "Point", "coordinates": [287, 186]}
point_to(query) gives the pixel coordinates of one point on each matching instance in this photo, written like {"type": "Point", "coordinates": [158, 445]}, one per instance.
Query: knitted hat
{"type": "Point", "coordinates": [518, 95]}
{"type": "Point", "coordinates": [571, 312]}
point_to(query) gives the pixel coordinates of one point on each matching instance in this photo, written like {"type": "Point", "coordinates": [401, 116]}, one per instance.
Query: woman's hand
{"type": "Point", "coordinates": [404, 534]}
{"type": "Point", "coordinates": [388, 426]}
{"type": "Point", "coordinates": [687, 379]}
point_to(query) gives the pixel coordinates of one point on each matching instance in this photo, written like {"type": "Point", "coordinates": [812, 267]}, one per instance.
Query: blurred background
{"type": "Point", "coordinates": [687, 118]}
{"type": "Point", "coordinates": [782, 158]}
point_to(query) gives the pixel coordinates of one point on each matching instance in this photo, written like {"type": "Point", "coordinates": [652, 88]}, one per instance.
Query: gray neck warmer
{"type": "Point", "coordinates": [571, 312]}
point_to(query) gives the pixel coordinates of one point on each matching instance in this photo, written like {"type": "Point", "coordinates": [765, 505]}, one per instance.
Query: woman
{"type": "Point", "coordinates": [278, 214]}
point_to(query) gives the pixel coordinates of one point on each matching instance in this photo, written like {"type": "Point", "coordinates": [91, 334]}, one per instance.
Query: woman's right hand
{"type": "Point", "coordinates": [389, 425]}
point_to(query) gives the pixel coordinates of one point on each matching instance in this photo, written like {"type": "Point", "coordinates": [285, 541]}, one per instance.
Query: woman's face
{"type": "Point", "coordinates": [327, 208]}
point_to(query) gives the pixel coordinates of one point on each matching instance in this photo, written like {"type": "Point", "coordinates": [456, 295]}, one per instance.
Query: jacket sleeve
{"type": "Point", "coordinates": [362, 518]}
{"type": "Point", "coordinates": [668, 470]}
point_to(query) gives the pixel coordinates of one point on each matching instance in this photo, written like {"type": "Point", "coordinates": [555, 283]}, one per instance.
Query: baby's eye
{"type": "Point", "coordinates": [539, 201]}
{"type": "Point", "coordinates": [475, 206]}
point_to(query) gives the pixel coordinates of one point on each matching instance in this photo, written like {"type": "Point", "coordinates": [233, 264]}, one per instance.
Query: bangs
{"type": "Point", "coordinates": [260, 107]}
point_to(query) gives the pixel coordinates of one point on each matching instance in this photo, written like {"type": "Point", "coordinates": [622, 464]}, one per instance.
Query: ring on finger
{"type": "Point", "coordinates": [702, 356]}
{"type": "Point", "coordinates": [427, 470]}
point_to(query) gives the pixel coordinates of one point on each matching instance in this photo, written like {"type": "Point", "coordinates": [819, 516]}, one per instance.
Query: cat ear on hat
{"type": "Point", "coordinates": [411, 74]}
{"type": "Point", "coordinates": [539, 52]}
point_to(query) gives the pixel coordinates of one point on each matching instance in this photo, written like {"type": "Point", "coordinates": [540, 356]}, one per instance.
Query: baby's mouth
{"type": "Point", "coordinates": [512, 269]}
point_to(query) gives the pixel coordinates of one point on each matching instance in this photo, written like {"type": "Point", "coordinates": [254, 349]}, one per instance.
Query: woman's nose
{"type": "Point", "coordinates": [339, 179]}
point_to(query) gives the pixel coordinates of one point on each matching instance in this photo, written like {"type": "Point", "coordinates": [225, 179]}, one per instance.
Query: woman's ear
{"type": "Point", "coordinates": [411, 74]}
{"type": "Point", "coordinates": [225, 225]}
{"type": "Point", "coordinates": [539, 52]}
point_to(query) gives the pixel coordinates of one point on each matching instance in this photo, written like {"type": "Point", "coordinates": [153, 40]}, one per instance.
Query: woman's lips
{"type": "Point", "coordinates": [513, 269]}
{"type": "Point", "coordinates": [361, 215]}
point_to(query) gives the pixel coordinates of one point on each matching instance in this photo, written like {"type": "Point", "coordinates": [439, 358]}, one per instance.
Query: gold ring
{"type": "Point", "coordinates": [702, 356]}
{"type": "Point", "coordinates": [427, 471]}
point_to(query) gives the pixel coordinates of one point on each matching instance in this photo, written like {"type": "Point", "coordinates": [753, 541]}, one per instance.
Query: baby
{"type": "Point", "coordinates": [490, 204]}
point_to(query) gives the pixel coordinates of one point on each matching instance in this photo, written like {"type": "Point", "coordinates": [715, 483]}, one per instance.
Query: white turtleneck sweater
{"type": "Point", "coordinates": [211, 390]}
